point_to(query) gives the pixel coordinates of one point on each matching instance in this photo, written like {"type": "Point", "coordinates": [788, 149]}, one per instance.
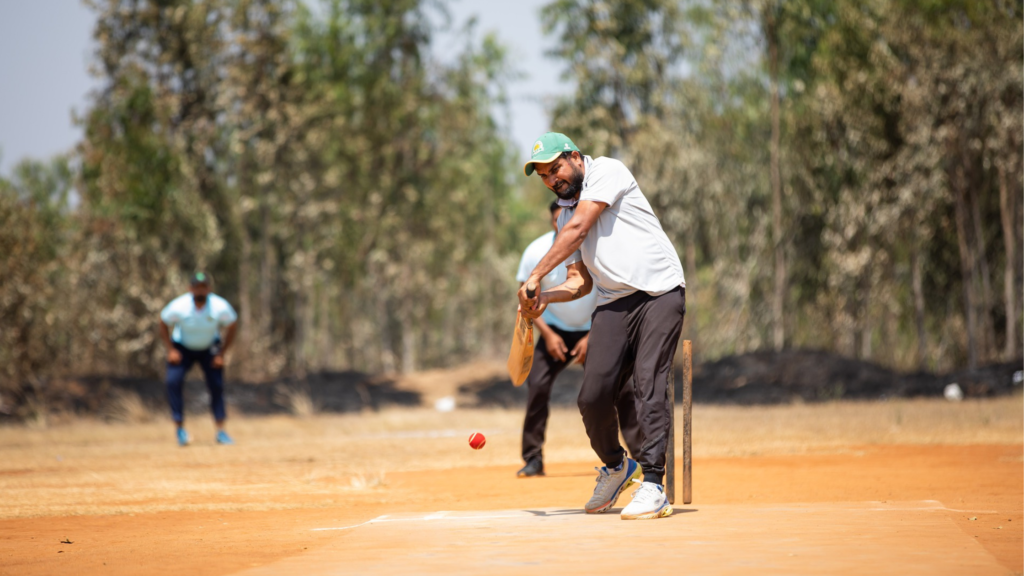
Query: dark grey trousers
{"type": "Point", "coordinates": [632, 342]}
{"type": "Point", "coordinates": [542, 377]}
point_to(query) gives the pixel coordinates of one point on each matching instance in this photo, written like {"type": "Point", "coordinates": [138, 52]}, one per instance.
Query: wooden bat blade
{"type": "Point", "coordinates": [520, 357]}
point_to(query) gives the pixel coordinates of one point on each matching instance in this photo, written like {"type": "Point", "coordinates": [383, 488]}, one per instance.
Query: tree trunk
{"type": "Point", "coordinates": [298, 345]}
{"type": "Point", "coordinates": [387, 355]}
{"type": "Point", "coordinates": [245, 334]}
{"type": "Point", "coordinates": [691, 256]}
{"type": "Point", "coordinates": [326, 357]}
{"type": "Point", "coordinates": [304, 314]}
{"type": "Point", "coordinates": [967, 268]}
{"type": "Point", "coordinates": [408, 346]}
{"type": "Point", "coordinates": [779, 293]}
{"type": "Point", "coordinates": [409, 325]}
{"type": "Point", "coordinates": [265, 287]}
{"type": "Point", "coordinates": [987, 331]}
{"type": "Point", "coordinates": [1007, 209]}
{"type": "Point", "coordinates": [864, 316]}
{"type": "Point", "coordinates": [917, 284]}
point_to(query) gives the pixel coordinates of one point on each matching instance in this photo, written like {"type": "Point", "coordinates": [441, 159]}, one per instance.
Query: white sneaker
{"type": "Point", "coordinates": [610, 484]}
{"type": "Point", "coordinates": [649, 502]}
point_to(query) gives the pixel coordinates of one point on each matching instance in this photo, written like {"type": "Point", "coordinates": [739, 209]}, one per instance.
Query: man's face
{"type": "Point", "coordinates": [564, 176]}
{"type": "Point", "coordinates": [199, 293]}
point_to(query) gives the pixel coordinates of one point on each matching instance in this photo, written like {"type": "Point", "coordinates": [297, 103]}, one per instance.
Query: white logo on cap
{"type": "Point", "coordinates": [538, 147]}
{"type": "Point", "coordinates": [567, 146]}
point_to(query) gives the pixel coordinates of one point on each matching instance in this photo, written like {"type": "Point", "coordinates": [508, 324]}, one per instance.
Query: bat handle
{"type": "Point", "coordinates": [531, 291]}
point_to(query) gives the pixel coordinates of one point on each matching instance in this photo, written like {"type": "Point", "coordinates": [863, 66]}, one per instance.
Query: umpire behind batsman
{"type": "Point", "coordinates": [609, 237]}
{"type": "Point", "coordinates": [197, 319]}
{"type": "Point", "coordinates": [563, 328]}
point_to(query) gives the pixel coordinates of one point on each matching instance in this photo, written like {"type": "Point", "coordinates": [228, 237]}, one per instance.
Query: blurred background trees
{"type": "Point", "coordinates": [842, 175]}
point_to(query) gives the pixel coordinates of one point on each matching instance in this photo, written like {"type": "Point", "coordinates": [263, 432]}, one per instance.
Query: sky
{"type": "Point", "coordinates": [46, 48]}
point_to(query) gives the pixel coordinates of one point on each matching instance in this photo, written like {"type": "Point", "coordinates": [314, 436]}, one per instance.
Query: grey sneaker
{"type": "Point", "coordinates": [534, 467]}
{"type": "Point", "coordinates": [610, 484]}
{"type": "Point", "coordinates": [649, 502]}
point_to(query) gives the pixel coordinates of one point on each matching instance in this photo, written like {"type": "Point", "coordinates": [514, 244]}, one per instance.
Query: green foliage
{"type": "Point", "coordinates": [360, 205]}
{"type": "Point", "coordinates": [35, 231]}
{"type": "Point", "coordinates": [890, 111]}
{"type": "Point", "coordinates": [349, 194]}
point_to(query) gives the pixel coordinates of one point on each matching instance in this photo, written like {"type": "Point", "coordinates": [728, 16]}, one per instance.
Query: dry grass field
{"type": "Point", "coordinates": [117, 488]}
{"type": "Point", "coordinates": [91, 467]}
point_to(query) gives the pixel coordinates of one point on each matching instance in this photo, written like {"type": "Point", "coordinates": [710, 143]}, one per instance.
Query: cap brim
{"type": "Point", "coordinates": [528, 167]}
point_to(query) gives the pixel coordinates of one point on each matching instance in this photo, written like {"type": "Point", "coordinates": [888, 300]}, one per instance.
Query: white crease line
{"type": "Point", "coordinates": [434, 516]}
{"type": "Point", "coordinates": [444, 515]}
{"type": "Point", "coordinates": [935, 505]}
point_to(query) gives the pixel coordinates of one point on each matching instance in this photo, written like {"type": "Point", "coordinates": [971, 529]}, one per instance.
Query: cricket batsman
{"type": "Point", "coordinates": [609, 238]}
{"type": "Point", "coordinates": [564, 329]}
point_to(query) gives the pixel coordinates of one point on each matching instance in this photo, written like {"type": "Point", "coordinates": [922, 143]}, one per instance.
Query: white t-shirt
{"type": "Point", "coordinates": [197, 329]}
{"type": "Point", "coordinates": [626, 250]}
{"type": "Point", "coordinates": [572, 316]}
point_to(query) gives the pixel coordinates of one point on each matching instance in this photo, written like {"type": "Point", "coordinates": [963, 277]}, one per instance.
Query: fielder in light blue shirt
{"type": "Point", "coordinates": [197, 327]}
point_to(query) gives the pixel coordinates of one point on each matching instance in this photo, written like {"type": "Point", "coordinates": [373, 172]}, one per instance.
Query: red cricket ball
{"type": "Point", "coordinates": [477, 440]}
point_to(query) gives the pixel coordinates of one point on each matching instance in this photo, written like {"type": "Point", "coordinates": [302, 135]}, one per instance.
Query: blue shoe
{"type": "Point", "coordinates": [223, 438]}
{"type": "Point", "coordinates": [611, 483]}
{"type": "Point", "coordinates": [182, 437]}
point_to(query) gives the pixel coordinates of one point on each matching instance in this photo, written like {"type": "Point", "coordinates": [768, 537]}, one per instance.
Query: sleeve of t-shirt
{"type": "Point", "coordinates": [227, 315]}
{"type": "Point", "coordinates": [607, 182]}
{"type": "Point", "coordinates": [526, 266]}
{"type": "Point", "coordinates": [169, 315]}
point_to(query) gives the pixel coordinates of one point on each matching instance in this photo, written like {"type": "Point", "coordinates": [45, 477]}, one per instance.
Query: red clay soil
{"type": "Point", "coordinates": [968, 480]}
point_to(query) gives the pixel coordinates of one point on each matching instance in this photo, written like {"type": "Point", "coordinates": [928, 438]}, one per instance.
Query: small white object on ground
{"type": "Point", "coordinates": [446, 404]}
{"type": "Point", "coordinates": [1018, 377]}
{"type": "Point", "coordinates": [953, 393]}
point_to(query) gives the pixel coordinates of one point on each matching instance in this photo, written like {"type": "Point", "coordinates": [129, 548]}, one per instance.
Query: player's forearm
{"type": "Point", "coordinates": [571, 289]}
{"type": "Point", "coordinates": [569, 240]}
{"type": "Point", "coordinates": [229, 337]}
{"type": "Point", "coordinates": [165, 335]}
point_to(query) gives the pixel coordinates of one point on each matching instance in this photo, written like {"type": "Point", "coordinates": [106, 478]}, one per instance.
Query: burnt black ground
{"type": "Point", "coordinates": [747, 379]}
{"type": "Point", "coordinates": [778, 378]}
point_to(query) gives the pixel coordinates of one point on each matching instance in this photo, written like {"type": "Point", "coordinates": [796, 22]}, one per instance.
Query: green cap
{"type": "Point", "coordinates": [199, 278]}
{"type": "Point", "coordinates": [548, 147]}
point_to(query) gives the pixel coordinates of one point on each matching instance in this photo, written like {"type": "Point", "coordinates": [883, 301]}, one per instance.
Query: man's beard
{"type": "Point", "coordinates": [573, 186]}
{"type": "Point", "coordinates": [199, 300]}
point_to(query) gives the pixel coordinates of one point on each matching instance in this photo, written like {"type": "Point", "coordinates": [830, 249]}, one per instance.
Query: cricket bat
{"type": "Point", "coordinates": [520, 357]}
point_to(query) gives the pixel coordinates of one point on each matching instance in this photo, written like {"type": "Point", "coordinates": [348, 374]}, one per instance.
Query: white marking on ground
{"type": "Point", "coordinates": [429, 517]}
{"type": "Point", "coordinates": [929, 505]}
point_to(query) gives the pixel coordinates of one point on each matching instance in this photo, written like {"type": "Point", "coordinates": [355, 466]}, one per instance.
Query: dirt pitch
{"type": "Point", "coordinates": [901, 487]}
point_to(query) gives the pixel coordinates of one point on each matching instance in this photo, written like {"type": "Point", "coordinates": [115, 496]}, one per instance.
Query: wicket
{"type": "Point", "coordinates": [670, 456]}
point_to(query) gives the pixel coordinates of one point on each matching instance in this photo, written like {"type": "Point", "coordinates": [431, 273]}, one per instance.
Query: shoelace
{"type": "Point", "coordinates": [646, 494]}
{"type": "Point", "coordinates": [603, 475]}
